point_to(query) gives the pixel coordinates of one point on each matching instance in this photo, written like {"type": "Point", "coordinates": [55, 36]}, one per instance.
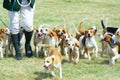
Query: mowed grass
{"type": "Point", "coordinates": [54, 12]}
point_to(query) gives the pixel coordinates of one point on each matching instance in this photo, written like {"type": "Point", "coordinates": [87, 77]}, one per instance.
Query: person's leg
{"type": "Point", "coordinates": [27, 20]}
{"type": "Point", "coordinates": [14, 28]}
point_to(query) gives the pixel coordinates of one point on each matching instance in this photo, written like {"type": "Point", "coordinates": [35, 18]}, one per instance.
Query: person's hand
{"type": "Point", "coordinates": [9, 0]}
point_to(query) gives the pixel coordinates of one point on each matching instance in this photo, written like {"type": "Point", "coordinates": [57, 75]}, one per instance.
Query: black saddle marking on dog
{"type": "Point", "coordinates": [111, 30]}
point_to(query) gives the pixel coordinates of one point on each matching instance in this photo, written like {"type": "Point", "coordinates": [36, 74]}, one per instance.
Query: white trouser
{"type": "Point", "coordinates": [27, 14]}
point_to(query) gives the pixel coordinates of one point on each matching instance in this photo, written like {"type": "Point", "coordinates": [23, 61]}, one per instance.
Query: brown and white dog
{"type": "Point", "coordinates": [113, 48]}
{"type": "Point", "coordinates": [50, 38]}
{"type": "Point", "coordinates": [38, 39]}
{"type": "Point", "coordinates": [104, 44]}
{"type": "Point", "coordinates": [44, 35]}
{"type": "Point", "coordinates": [60, 32]}
{"type": "Point", "coordinates": [73, 50]}
{"type": "Point", "coordinates": [4, 37]}
{"type": "Point", "coordinates": [53, 60]}
{"type": "Point", "coordinates": [88, 43]}
{"type": "Point", "coordinates": [71, 47]}
{"type": "Point", "coordinates": [65, 39]}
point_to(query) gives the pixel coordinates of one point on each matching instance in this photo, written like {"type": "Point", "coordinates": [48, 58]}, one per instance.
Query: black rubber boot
{"type": "Point", "coordinates": [28, 49]}
{"type": "Point", "coordinates": [16, 44]}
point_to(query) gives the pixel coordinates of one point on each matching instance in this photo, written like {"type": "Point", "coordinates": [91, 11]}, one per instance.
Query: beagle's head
{"type": "Point", "coordinates": [59, 31]}
{"type": "Point", "coordinates": [90, 32]}
{"type": "Point", "coordinates": [48, 62]}
{"type": "Point", "coordinates": [66, 37]}
{"type": "Point", "coordinates": [47, 31]}
{"type": "Point", "coordinates": [39, 32]}
{"type": "Point", "coordinates": [4, 31]}
{"type": "Point", "coordinates": [42, 30]}
{"type": "Point", "coordinates": [71, 46]}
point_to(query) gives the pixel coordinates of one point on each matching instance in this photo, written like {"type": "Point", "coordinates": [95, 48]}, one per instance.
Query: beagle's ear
{"type": "Point", "coordinates": [64, 31]}
{"type": "Point", "coordinates": [36, 30]}
{"type": "Point", "coordinates": [86, 33]}
{"type": "Point", "coordinates": [2, 30]}
{"type": "Point", "coordinates": [53, 57]}
{"type": "Point", "coordinates": [51, 34]}
{"type": "Point", "coordinates": [76, 44]}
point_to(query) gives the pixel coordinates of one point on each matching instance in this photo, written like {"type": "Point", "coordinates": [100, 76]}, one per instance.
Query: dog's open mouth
{"type": "Point", "coordinates": [47, 67]}
{"type": "Point", "coordinates": [89, 36]}
{"type": "Point", "coordinates": [60, 35]}
{"type": "Point", "coordinates": [70, 50]}
{"type": "Point", "coordinates": [40, 36]}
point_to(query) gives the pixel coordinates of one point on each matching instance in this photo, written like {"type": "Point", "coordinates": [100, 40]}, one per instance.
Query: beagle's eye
{"type": "Point", "coordinates": [117, 33]}
{"type": "Point", "coordinates": [58, 30]}
{"type": "Point", "coordinates": [46, 30]}
{"type": "Point", "coordinates": [68, 44]}
{"type": "Point", "coordinates": [47, 61]}
{"type": "Point", "coordinates": [41, 30]}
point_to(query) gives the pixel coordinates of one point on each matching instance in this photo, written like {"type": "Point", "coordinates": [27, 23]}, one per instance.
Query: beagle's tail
{"type": "Point", "coordinates": [80, 25]}
{"type": "Point", "coordinates": [104, 23]}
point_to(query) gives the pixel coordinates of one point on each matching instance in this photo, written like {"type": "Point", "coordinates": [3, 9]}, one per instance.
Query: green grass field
{"type": "Point", "coordinates": [73, 11]}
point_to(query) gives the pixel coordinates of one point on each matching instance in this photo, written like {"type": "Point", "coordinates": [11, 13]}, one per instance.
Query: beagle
{"type": "Point", "coordinates": [53, 60]}
{"type": "Point", "coordinates": [4, 37]}
{"type": "Point", "coordinates": [50, 37]}
{"type": "Point", "coordinates": [38, 39]}
{"type": "Point", "coordinates": [113, 48]}
{"type": "Point", "coordinates": [108, 30]}
{"type": "Point", "coordinates": [65, 39]}
{"type": "Point", "coordinates": [60, 32]}
{"type": "Point", "coordinates": [104, 44]}
{"type": "Point", "coordinates": [71, 47]}
{"type": "Point", "coordinates": [44, 35]}
{"type": "Point", "coordinates": [88, 42]}
{"type": "Point", "coordinates": [73, 51]}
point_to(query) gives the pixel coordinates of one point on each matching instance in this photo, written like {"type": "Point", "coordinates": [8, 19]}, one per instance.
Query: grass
{"type": "Point", "coordinates": [73, 11]}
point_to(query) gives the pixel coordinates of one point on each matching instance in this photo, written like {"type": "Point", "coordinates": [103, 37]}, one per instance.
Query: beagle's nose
{"type": "Point", "coordinates": [88, 35]}
{"type": "Point", "coordinates": [66, 40]}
